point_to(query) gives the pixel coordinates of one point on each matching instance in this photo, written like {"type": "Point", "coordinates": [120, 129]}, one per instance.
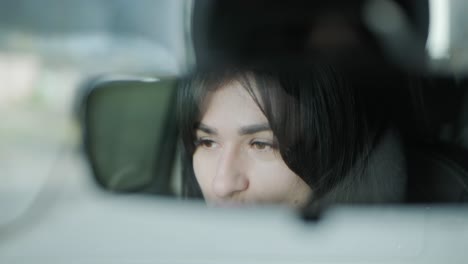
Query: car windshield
{"type": "Point", "coordinates": [295, 131]}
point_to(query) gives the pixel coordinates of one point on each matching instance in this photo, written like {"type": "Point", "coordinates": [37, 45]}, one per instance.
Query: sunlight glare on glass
{"type": "Point", "coordinates": [439, 29]}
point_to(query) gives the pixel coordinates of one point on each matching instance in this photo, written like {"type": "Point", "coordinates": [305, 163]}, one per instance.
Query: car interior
{"type": "Point", "coordinates": [92, 170]}
{"type": "Point", "coordinates": [134, 148]}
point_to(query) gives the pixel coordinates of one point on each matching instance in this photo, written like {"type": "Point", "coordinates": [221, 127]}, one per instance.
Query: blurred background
{"type": "Point", "coordinates": [48, 51]}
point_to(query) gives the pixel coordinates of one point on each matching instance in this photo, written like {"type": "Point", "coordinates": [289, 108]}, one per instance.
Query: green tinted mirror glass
{"type": "Point", "coordinates": [130, 134]}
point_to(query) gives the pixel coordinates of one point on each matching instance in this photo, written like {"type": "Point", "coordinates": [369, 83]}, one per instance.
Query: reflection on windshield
{"type": "Point", "coordinates": [262, 136]}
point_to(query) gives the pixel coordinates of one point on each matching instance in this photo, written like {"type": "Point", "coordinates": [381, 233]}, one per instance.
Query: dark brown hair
{"type": "Point", "coordinates": [323, 124]}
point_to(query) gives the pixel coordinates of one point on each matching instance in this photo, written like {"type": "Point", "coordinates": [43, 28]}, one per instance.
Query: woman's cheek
{"type": "Point", "coordinates": [204, 167]}
{"type": "Point", "coordinates": [263, 156]}
{"type": "Point", "coordinates": [277, 178]}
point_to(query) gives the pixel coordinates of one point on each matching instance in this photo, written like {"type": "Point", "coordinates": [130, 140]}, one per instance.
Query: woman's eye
{"type": "Point", "coordinates": [206, 143]}
{"type": "Point", "coordinates": [262, 146]}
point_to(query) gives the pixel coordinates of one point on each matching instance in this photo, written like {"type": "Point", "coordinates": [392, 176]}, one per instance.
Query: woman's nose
{"type": "Point", "coordinates": [230, 175]}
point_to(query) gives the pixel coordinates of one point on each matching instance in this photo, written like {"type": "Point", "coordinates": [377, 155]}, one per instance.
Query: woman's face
{"type": "Point", "coordinates": [236, 161]}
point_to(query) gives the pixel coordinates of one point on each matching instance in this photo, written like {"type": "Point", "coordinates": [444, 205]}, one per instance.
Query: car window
{"type": "Point", "coordinates": [159, 130]}
{"type": "Point", "coordinates": [48, 54]}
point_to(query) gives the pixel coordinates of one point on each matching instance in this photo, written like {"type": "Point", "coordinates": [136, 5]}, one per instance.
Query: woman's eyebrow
{"type": "Point", "coordinates": [252, 129]}
{"type": "Point", "coordinates": [246, 130]}
{"type": "Point", "coordinates": [206, 129]}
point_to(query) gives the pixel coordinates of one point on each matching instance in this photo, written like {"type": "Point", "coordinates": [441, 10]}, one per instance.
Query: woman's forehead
{"type": "Point", "coordinates": [231, 103]}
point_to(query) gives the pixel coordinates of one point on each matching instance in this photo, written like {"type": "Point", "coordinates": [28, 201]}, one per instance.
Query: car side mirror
{"type": "Point", "coordinates": [130, 134]}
